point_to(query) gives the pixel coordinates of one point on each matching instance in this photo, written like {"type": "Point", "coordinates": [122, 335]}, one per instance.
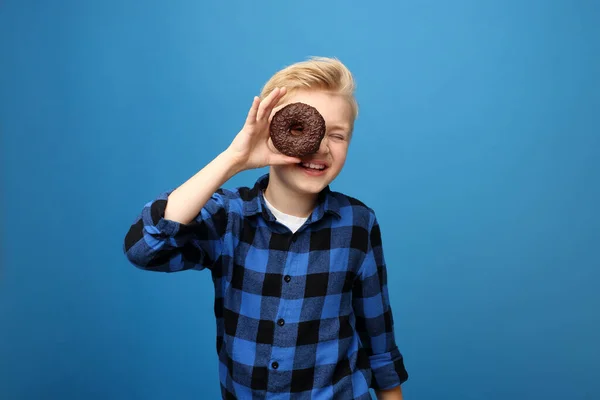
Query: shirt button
{"type": "Point", "coordinates": [287, 278]}
{"type": "Point", "coordinates": [281, 322]}
{"type": "Point", "coordinates": [275, 365]}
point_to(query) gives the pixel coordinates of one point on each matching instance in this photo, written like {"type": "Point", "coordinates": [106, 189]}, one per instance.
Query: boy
{"type": "Point", "coordinates": [301, 298]}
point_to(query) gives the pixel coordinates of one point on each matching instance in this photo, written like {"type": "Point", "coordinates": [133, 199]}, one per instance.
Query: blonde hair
{"type": "Point", "coordinates": [315, 73]}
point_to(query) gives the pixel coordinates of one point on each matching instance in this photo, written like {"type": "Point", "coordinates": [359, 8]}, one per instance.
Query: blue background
{"type": "Point", "coordinates": [477, 144]}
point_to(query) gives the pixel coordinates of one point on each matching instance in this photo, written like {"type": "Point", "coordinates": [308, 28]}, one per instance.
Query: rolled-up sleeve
{"type": "Point", "coordinates": [158, 244]}
{"type": "Point", "coordinates": [374, 320]}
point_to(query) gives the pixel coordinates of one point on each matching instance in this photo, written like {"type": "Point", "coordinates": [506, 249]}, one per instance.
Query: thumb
{"type": "Point", "coordinates": [282, 159]}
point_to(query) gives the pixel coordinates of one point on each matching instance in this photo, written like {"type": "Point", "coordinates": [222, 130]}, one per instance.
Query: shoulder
{"type": "Point", "coordinates": [236, 199]}
{"type": "Point", "coordinates": [350, 207]}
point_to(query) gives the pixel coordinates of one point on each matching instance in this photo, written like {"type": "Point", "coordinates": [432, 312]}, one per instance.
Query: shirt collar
{"type": "Point", "coordinates": [254, 202]}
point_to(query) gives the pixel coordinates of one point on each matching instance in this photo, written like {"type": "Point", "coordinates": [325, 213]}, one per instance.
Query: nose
{"type": "Point", "coordinates": [324, 146]}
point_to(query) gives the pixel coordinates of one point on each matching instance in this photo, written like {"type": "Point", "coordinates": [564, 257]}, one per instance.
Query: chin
{"type": "Point", "coordinates": [310, 187]}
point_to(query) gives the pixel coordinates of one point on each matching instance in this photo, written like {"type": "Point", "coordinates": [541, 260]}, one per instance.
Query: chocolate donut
{"type": "Point", "coordinates": [297, 130]}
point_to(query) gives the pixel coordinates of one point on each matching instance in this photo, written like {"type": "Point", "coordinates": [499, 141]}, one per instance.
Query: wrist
{"type": "Point", "coordinates": [233, 163]}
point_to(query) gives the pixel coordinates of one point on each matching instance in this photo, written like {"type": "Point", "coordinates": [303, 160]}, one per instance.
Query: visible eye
{"type": "Point", "coordinates": [337, 136]}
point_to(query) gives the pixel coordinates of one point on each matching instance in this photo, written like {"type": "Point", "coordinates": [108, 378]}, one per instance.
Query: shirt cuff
{"type": "Point", "coordinates": [166, 227]}
{"type": "Point", "coordinates": [388, 370]}
{"type": "Point", "coordinates": [154, 222]}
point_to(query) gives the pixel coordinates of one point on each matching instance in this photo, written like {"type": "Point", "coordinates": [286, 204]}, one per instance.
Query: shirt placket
{"type": "Point", "coordinates": [288, 272]}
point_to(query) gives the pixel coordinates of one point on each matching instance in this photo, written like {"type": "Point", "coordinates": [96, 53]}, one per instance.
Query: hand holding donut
{"type": "Point", "coordinates": [251, 148]}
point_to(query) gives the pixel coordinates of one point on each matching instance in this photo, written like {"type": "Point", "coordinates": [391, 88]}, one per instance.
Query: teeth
{"type": "Point", "coordinates": [313, 166]}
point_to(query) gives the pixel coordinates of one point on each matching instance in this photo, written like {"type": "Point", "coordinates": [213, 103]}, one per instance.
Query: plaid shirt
{"type": "Point", "coordinates": [299, 315]}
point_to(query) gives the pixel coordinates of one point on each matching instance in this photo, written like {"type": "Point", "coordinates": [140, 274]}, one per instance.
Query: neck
{"type": "Point", "coordinates": [279, 196]}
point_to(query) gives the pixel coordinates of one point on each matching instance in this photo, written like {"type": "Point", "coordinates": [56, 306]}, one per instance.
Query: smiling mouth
{"type": "Point", "coordinates": [312, 166]}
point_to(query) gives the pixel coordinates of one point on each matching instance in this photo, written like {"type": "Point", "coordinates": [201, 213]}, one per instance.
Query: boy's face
{"type": "Point", "coordinates": [331, 156]}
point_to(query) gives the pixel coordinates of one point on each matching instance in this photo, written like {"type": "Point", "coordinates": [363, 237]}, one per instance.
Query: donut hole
{"type": "Point", "coordinates": [296, 128]}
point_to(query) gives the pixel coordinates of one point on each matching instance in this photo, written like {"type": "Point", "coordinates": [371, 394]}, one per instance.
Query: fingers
{"type": "Point", "coordinates": [266, 106]}
{"type": "Point", "coordinates": [253, 110]}
{"type": "Point", "coordinates": [261, 109]}
{"type": "Point", "coordinates": [280, 159]}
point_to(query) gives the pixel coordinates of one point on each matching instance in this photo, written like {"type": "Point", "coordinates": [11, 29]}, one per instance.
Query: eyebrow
{"type": "Point", "coordinates": [345, 127]}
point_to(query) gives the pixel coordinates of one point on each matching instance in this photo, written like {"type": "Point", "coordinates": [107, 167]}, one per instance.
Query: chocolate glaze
{"type": "Point", "coordinates": [297, 130]}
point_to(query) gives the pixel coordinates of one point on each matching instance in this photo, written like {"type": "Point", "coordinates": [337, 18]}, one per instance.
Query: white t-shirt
{"type": "Point", "coordinates": [292, 222]}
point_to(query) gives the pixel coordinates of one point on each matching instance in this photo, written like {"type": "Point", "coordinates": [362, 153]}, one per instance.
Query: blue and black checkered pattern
{"type": "Point", "coordinates": [302, 315]}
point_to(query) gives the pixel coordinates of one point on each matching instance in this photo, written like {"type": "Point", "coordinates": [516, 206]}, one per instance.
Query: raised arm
{"type": "Point", "coordinates": [161, 237]}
